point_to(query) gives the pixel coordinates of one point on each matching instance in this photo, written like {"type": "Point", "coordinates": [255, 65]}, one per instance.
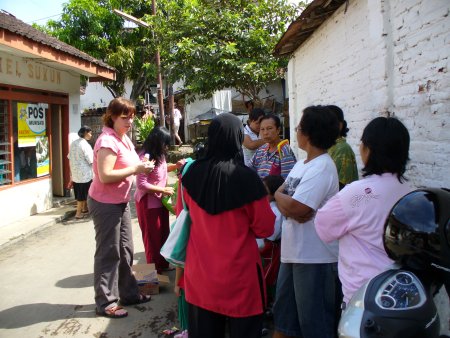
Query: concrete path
{"type": "Point", "coordinates": [46, 288]}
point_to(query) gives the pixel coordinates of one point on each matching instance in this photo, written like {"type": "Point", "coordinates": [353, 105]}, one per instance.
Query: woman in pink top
{"type": "Point", "coordinates": [115, 164]}
{"type": "Point", "coordinates": [356, 215]}
{"type": "Point", "coordinates": [150, 188]}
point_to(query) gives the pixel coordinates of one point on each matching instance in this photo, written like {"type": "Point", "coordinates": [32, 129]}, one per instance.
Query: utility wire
{"type": "Point", "coordinates": [48, 17]}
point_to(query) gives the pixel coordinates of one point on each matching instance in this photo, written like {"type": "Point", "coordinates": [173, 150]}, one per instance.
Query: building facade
{"type": "Point", "coordinates": [39, 115]}
{"type": "Point", "coordinates": [378, 58]}
{"type": "Point", "coordinates": [375, 58]}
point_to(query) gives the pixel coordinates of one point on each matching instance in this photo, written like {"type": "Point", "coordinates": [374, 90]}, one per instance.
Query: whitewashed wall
{"type": "Point", "coordinates": [384, 56]}
{"type": "Point", "coordinates": [96, 95]}
{"type": "Point", "coordinates": [36, 196]}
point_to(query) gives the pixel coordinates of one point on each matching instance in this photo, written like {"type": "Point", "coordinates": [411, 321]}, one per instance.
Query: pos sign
{"type": "Point", "coordinates": [31, 119]}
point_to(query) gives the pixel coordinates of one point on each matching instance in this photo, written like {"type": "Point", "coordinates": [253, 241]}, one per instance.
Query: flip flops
{"type": "Point", "coordinates": [114, 311]}
{"type": "Point", "coordinates": [142, 299]}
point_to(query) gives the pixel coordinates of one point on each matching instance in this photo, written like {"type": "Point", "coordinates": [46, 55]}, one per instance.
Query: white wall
{"type": "Point", "coordinates": [273, 91]}
{"type": "Point", "coordinates": [377, 57]}
{"type": "Point", "coordinates": [384, 56]}
{"type": "Point", "coordinates": [96, 95]}
{"type": "Point", "coordinates": [33, 197]}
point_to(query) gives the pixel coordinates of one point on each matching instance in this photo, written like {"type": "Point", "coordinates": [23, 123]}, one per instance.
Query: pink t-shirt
{"type": "Point", "coordinates": [117, 192]}
{"type": "Point", "coordinates": [157, 177]}
{"type": "Point", "coordinates": [356, 217]}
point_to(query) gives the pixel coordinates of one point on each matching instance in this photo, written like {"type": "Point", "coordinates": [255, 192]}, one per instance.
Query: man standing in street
{"type": "Point", "coordinates": [176, 124]}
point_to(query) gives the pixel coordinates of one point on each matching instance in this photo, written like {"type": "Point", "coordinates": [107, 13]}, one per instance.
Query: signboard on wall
{"type": "Point", "coordinates": [42, 156]}
{"type": "Point", "coordinates": [31, 119]}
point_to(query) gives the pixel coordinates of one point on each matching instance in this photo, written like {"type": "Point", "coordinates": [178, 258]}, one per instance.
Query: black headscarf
{"type": "Point", "coordinates": [220, 181]}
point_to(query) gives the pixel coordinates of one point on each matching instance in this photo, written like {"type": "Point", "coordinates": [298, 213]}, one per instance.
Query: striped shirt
{"type": "Point", "coordinates": [263, 160]}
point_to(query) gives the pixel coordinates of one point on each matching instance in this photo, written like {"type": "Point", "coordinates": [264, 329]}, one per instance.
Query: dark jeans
{"type": "Point", "coordinates": [305, 300]}
{"type": "Point", "coordinates": [204, 323]}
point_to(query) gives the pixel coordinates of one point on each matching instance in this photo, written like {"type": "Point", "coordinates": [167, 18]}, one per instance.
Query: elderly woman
{"type": "Point", "coordinates": [270, 159]}
{"type": "Point", "coordinates": [115, 164]}
{"type": "Point", "coordinates": [80, 159]}
{"type": "Point", "coordinates": [228, 207]}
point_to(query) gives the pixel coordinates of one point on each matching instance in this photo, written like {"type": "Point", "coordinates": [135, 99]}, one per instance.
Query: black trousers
{"type": "Point", "coordinates": [208, 324]}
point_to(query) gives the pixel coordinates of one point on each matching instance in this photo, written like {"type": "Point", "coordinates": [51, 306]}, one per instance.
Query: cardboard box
{"type": "Point", "coordinates": [148, 280]}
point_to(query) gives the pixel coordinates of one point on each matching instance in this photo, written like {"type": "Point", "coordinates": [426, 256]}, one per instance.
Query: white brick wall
{"type": "Point", "coordinates": [379, 56]}
{"type": "Point", "coordinates": [384, 56]}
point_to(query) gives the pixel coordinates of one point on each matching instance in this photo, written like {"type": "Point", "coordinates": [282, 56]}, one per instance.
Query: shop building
{"type": "Point", "coordinates": [39, 115]}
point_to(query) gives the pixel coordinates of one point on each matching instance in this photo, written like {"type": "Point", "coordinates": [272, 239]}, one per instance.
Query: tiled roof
{"type": "Point", "coordinates": [10, 23]}
{"type": "Point", "coordinates": [304, 26]}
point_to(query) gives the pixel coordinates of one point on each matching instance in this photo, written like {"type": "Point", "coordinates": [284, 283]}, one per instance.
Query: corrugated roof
{"type": "Point", "coordinates": [10, 23]}
{"type": "Point", "coordinates": [301, 29]}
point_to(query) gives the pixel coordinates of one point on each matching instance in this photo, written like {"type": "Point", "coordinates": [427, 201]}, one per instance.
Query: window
{"type": "Point", "coordinates": [31, 148]}
{"type": "Point", "coordinates": [5, 145]}
{"type": "Point", "coordinates": [30, 151]}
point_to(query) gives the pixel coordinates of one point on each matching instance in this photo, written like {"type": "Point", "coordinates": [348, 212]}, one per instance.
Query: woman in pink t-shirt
{"type": "Point", "coordinates": [114, 166]}
{"type": "Point", "coordinates": [150, 188]}
{"type": "Point", "coordinates": [357, 214]}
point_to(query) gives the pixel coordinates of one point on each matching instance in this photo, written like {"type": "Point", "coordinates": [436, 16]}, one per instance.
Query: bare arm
{"type": "Point", "coordinates": [178, 273]}
{"type": "Point", "coordinates": [106, 160]}
{"type": "Point", "coordinates": [289, 207]}
{"type": "Point", "coordinates": [252, 145]}
{"type": "Point", "coordinates": [174, 166]}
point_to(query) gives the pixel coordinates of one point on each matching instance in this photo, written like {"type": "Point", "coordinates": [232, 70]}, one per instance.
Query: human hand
{"type": "Point", "coordinates": [168, 191]}
{"type": "Point", "coordinates": [176, 289]}
{"type": "Point", "coordinates": [180, 163]}
{"type": "Point", "coordinates": [145, 167]}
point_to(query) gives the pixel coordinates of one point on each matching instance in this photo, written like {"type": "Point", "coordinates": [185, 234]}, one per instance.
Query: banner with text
{"type": "Point", "coordinates": [31, 119]}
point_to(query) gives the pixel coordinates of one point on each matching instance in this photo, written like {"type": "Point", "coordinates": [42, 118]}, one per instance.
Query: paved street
{"type": "Point", "coordinates": [47, 289]}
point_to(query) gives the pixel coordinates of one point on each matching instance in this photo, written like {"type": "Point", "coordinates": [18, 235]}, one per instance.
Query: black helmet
{"type": "Point", "coordinates": [417, 231]}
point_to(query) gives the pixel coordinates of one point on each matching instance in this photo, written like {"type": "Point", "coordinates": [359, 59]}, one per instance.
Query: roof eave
{"type": "Point", "coordinates": [314, 15]}
{"type": "Point", "coordinates": [37, 50]}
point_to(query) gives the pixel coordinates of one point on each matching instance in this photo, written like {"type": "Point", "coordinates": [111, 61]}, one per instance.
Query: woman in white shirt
{"type": "Point", "coordinates": [305, 294]}
{"type": "Point", "coordinates": [80, 158]}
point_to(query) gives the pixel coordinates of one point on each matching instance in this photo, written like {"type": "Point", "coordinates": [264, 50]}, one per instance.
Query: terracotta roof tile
{"type": "Point", "coordinates": [10, 23]}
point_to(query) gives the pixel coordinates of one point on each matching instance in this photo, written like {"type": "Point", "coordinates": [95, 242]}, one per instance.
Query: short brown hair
{"type": "Point", "coordinates": [117, 107]}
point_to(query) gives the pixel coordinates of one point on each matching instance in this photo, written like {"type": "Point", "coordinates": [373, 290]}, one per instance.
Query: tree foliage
{"type": "Point", "coordinates": [207, 44]}
{"type": "Point", "coordinates": [212, 45]}
{"type": "Point", "coordinates": [93, 27]}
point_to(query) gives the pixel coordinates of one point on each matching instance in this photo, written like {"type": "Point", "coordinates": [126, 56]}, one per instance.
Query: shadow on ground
{"type": "Point", "coordinates": [75, 282]}
{"type": "Point", "coordinates": [30, 314]}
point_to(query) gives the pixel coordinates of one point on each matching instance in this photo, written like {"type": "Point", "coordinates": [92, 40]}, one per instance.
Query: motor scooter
{"type": "Point", "coordinates": [398, 303]}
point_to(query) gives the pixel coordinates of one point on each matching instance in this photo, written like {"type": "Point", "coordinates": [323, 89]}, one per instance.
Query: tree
{"type": "Point", "coordinates": [212, 45]}
{"type": "Point", "coordinates": [93, 27]}
{"type": "Point", "coordinates": [207, 44]}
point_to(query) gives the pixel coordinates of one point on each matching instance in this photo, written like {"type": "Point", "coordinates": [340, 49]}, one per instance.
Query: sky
{"type": "Point", "coordinates": [34, 11]}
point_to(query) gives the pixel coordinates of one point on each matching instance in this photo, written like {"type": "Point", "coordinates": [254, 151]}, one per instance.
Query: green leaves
{"type": "Point", "coordinates": [143, 126]}
{"type": "Point", "coordinates": [212, 45]}
{"type": "Point", "coordinates": [207, 44]}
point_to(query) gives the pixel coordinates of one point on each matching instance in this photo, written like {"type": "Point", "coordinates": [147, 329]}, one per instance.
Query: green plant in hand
{"type": "Point", "coordinates": [144, 126]}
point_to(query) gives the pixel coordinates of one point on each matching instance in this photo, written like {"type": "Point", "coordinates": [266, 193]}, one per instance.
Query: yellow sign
{"type": "Point", "coordinates": [31, 119]}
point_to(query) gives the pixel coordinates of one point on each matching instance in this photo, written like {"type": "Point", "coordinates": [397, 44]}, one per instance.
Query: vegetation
{"type": "Point", "coordinates": [212, 45]}
{"type": "Point", "coordinates": [143, 126]}
{"type": "Point", "coordinates": [207, 44]}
